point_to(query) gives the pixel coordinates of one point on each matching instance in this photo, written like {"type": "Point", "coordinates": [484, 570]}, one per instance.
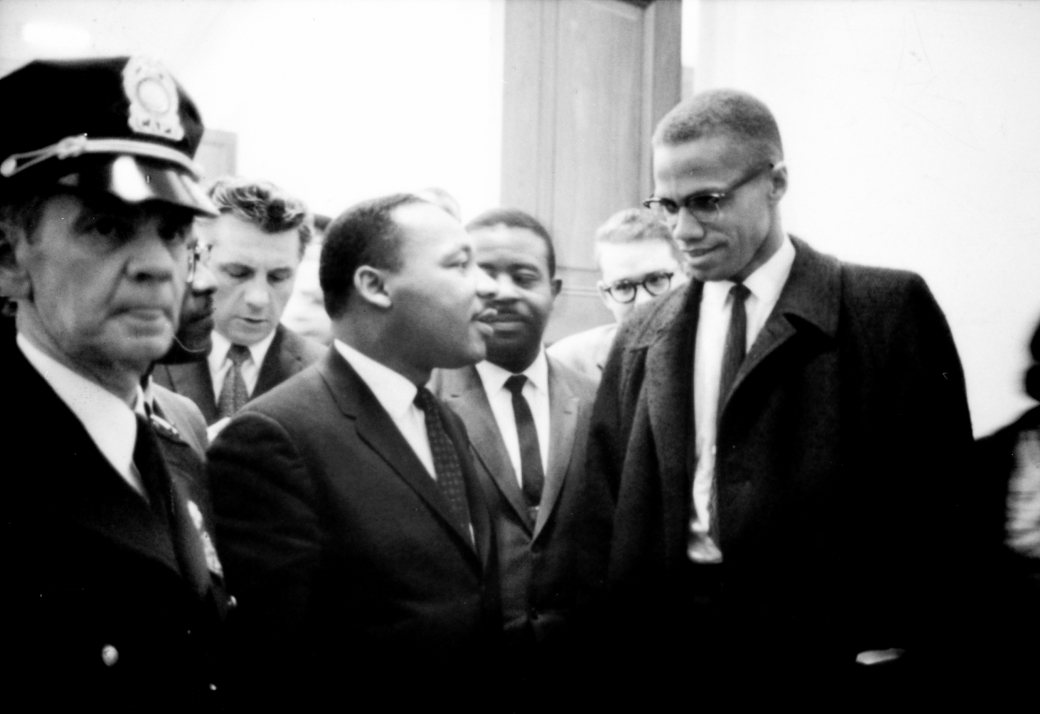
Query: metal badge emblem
{"type": "Point", "coordinates": [154, 105]}
{"type": "Point", "coordinates": [212, 561]}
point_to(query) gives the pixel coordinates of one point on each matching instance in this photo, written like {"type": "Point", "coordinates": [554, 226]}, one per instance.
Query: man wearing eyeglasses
{"type": "Point", "coordinates": [784, 439]}
{"type": "Point", "coordinates": [112, 591]}
{"type": "Point", "coordinates": [638, 261]}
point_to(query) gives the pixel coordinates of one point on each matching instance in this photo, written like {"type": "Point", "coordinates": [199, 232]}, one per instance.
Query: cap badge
{"type": "Point", "coordinates": [152, 94]}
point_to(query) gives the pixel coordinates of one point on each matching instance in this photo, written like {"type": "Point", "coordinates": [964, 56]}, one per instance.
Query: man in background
{"type": "Point", "coordinates": [255, 246]}
{"type": "Point", "coordinates": [638, 261]}
{"type": "Point", "coordinates": [352, 526]}
{"type": "Point", "coordinates": [111, 596]}
{"type": "Point", "coordinates": [528, 417]}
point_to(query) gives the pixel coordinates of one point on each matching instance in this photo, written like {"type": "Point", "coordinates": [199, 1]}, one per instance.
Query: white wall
{"type": "Point", "coordinates": [334, 100]}
{"type": "Point", "coordinates": [912, 136]}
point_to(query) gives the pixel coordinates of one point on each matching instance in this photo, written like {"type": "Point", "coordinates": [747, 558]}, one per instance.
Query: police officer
{"type": "Point", "coordinates": [112, 592]}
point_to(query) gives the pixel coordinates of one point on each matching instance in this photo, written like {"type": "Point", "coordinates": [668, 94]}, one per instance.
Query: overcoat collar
{"type": "Point", "coordinates": [809, 302]}
{"type": "Point", "coordinates": [375, 427]}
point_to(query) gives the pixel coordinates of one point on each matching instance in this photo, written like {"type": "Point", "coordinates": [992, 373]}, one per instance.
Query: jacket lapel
{"type": "Point", "coordinates": [375, 427]}
{"type": "Point", "coordinates": [563, 423]}
{"type": "Point", "coordinates": [464, 394]}
{"type": "Point", "coordinates": [272, 371]}
{"type": "Point", "coordinates": [193, 380]}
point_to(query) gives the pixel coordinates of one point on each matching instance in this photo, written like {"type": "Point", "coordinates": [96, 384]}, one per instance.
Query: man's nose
{"type": "Point", "coordinates": [204, 283]}
{"type": "Point", "coordinates": [686, 226]}
{"type": "Point", "coordinates": [642, 295]}
{"type": "Point", "coordinates": [487, 287]}
{"type": "Point", "coordinates": [154, 259]}
{"type": "Point", "coordinates": [257, 295]}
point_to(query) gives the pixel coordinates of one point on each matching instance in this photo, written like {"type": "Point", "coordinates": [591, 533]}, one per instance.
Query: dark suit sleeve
{"type": "Point", "coordinates": [270, 544]}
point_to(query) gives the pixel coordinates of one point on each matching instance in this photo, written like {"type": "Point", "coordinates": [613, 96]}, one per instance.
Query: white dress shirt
{"type": "Point", "coordinates": [220, 365]}
{"type": "Point", "coordinates": [716, 306]}
{"type": "Point", "coordinates": [535, 391]}
{"type": "Point", "coordinates": [108, 420]}
{"type": "Point", "coordinates": [396, 394]}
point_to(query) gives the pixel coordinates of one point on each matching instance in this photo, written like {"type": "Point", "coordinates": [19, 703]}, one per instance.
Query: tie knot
{"type": "Point", "coordinates": [238, 354]}
{"type": "Point", "coordinates": [424, 399]}
{"type": "Point", "coordinates": [515, 384]}
{"type": "Point", "coordinates": [739, 292]}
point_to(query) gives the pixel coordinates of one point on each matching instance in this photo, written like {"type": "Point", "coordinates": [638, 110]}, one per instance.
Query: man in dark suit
{"type": "Point", "coordinates": [784, 437]}
{"type": "Point", "coordinates": [254, 248]}
{"type": "Point", "coordinates": [528, 417]}
{"type": "Point", "coordinates": [353, 528]}
{"type": "Point", "coordinates": [111, 595]}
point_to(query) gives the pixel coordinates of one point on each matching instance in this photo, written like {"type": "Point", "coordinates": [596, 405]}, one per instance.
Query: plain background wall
{"type": "Point", "coordinates": [334, 100]}
{"type": "Point", "coordinates": [912, 136]}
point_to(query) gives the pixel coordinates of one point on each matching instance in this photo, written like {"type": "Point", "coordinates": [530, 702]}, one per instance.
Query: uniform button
{"type": "Point", "coordinates": [232, 602]}
{"type": "Point", "coordinates": [212, 687]}
{"type": "Point", "coordinates": [109, 655]}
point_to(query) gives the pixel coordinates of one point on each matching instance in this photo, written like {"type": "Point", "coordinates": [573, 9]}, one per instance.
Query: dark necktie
{"type": "Point", "coordinates": [234, 395]}
{"type": "Point", "coordinates": [736, 341]}
{"type": "Point", "coordinates": [149, 462]}
{"type": "Point", "coordinates": [531, 474]}
{"type": "Point", "coordinates": [446, 461]}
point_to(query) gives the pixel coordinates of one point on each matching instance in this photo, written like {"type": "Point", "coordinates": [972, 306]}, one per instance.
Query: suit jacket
{"type": "Point", "coordinates": [587, 351]}
{"type": "Point", "coordinates": [839, 461]}
{"type": "Point", "coordinates": [351, 575]}
{"type": "Point", "coordinates": [106, 602]}
{"type": "Point", "coordinates": [552, 567]}
{"type": "Point", "coordinates": [289, 353]}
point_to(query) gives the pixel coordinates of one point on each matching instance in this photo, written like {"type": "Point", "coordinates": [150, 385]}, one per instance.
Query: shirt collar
{"type": "Point", "coordinates": [494, 377]}
{"type": "Point", "coordinates": [764, 284]}
{"type": "Point", "coordinates": [108, 420]}
{"type": "Point", "coordinates": [222, 345]}
{"type": "Point", "coordinates": [393, 390]}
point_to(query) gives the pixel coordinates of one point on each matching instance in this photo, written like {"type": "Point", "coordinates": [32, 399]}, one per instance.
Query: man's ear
{"type": "Point", "coordinates": [778, 178]}
{"type": "Point", "coordinates": [370, 284]}
{"type": "Point", "coordinates": [556, 284]}
{"type": "Point", "coordinates": [601, 288]}
{"type": "Point", "coordinates": [14, 278]}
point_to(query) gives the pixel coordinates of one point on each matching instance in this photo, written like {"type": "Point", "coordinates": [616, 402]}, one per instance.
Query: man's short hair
{"type": "Point", "coordinates": [722, 111]}
{"type": "Point", "coordinates": [634, 225]}
{"type": "Point", "coordinates": [364, 234]}
{"type": "Point", "coordinates": [264, 205]}
{"type": "Point", "coordinates": [515, 218]}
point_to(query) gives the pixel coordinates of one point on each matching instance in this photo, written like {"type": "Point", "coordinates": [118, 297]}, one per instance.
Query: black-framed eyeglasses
{"type": "Point", "coordinates": [624, 291]}
{"type": "Point", "coordinates": [705, 207]}
{"type": "Point", "coordinates": [196, 254]}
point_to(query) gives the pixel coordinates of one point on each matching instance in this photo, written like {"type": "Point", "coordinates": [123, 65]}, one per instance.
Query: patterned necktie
{"type": "Point", "coordinates": [446, 461]}
{"type": "Point", "coordinates": [531, 473]}
{"type": "Point", "coordinates": [736, 341]}
{"type": "Point", "coordinates": [234, 395]}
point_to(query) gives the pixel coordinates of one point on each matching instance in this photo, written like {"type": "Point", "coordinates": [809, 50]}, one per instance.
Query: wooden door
{"type": "Point", "coordinates": [585, 83]}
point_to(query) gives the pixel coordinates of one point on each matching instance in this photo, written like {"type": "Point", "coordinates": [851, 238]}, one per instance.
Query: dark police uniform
{"type": "Point", "coordinates": [110, 600]}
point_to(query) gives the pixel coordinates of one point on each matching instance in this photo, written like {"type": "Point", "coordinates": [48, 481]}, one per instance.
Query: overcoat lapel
{"type": "Point", "coordinates": [811, 296]}
{"type": "Point", "coordinates": [563, 423]}
{"type": "Point", "coordinates": [466, 396]}
{"type": "Point", "coordinates": [669, 393]}
{"type": "Point", "coordinates": [375, 427]}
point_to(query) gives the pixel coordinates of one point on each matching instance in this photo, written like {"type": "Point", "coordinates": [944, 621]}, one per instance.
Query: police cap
{"type": "Point", "coordinates": [121, 125]}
